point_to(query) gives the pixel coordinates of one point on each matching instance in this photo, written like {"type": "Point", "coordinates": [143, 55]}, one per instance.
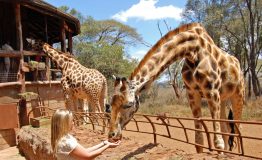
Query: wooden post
{"type": "Point", "coordinates": [19, 39]}
{"type": "Point", "coordinates": [63, 36]}
{"type": "Point", "coordinates": [47, 59]}
{"type": "Point", "coordinates": [70, 43]}
{"type": "Point", "coordinates": [46, 30]}
{"type": "Point", "coordinates": [48, 65]}
{"type": "Point", "coordinates": [23, 117]}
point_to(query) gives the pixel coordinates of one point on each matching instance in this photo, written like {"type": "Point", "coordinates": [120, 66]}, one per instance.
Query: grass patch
{"type": "Point", "coordinates": [165, 102]}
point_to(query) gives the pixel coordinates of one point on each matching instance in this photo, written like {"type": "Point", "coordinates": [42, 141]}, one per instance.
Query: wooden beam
{"type": "Point", "coordinates": [14, 54]}
{"type": "Point", "coordinates": [19, 37]}
{"type": "Point", "coordinates": [6, 84]}
{"type": "Point", "coordinates": [11, 54]}
{"type": "Point", "coordinates": [67, 28]}
{"type": "Point", "coordinates": [70, 43]}
{"type": "Point", "coordinates": [33, 53]}
{"type": "Point", "coordinates": [19, 44]}
{"type": "Point", "coordinates": [46, 30]}
{"type": "Point", "coordinates": [63, 36]}
{"type": "Point", "coordinates": [28, 83]}
{"type": "Point", "coordinates": [56, 14]}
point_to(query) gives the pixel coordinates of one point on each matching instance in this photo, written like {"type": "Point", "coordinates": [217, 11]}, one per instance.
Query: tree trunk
{"type": "Point", "coordinates": [175, 87]}
{"type": "Point", "coordinates": [252, 45]}
{"type": "Point", "coordinates": [249, 85]}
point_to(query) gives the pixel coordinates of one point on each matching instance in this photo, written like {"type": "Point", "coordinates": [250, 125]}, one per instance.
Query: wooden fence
{"type": "Point", "coordinates": [158, 126]}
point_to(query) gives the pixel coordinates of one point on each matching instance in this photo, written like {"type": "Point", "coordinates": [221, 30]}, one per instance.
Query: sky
{"type": "Point", "coordinates": [143, 15]}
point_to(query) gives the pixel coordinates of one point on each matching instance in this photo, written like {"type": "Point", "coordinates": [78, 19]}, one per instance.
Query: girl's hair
{"type": "Point", "coordinates": [60, 126]}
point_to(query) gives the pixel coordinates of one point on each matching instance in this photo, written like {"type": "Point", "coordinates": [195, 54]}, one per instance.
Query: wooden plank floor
{"type": "Point", "coordinates": [11, 153]}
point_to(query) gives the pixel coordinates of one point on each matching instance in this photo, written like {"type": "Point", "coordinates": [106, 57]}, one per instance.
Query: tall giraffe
{"type": "Point", "coordinates": [79, 82]}
{"type": "Point", "coordinates": [208, 72]}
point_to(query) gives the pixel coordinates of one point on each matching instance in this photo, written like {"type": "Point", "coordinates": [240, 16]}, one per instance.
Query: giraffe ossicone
{"type": "Point", "coordinates": [208, 72]}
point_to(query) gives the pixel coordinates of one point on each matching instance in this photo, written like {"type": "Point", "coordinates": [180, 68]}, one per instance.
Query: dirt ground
{"type": "Point", "coordinates": [140, 146]}
{"type": "Point", "coordinates": [136, 146]}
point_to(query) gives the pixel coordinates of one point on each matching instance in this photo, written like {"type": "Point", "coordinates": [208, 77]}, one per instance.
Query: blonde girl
{"type": "Point", "coordinates": [65, 146]}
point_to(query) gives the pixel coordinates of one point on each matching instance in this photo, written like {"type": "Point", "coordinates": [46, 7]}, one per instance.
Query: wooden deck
{"type": "Point", "coordinates": [11, 153]}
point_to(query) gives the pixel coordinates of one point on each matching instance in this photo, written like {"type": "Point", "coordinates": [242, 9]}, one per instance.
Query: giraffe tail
{"type": "Point", "coordinates": [106, 103]}
{"type": "Point", "coordinates": [232, 127]}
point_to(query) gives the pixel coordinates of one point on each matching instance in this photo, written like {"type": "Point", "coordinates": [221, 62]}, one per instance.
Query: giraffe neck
{"type": "Point", "coordinates": [63, 61]}
{"type": "Point", "coordinates": [183, 42]}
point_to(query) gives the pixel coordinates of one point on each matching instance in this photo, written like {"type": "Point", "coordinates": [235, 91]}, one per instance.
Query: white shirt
{"type": "Point", "coordinates": [64, 146]}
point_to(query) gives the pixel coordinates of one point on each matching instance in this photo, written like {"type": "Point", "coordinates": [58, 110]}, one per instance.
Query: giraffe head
{"type": "Point", "coordinates": [45, 47]}
{"type": "Point", "coordinates": [124, 105]}
{"type": "Point", "coordinates": [35, 44]}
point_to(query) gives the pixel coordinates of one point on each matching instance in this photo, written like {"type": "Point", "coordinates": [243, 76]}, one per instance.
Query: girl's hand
{"type": "Point", "coordinates": [112, 144]}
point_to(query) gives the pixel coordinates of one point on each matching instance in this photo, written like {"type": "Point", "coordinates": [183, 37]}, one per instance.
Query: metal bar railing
{"type": "Point", "coordinates": [79, 116]}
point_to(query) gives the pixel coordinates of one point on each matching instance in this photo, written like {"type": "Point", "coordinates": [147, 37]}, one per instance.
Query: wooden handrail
{"type": "Point", "coordinates": [17, 54]}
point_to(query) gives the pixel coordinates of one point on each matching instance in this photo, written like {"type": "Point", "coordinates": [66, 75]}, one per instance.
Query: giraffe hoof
{"type": "Point", "coordinates": [219, 144]}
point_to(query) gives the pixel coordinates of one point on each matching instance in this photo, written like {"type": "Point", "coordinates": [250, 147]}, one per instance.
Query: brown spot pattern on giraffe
{"type": "Point", "coordinates": [207, 69]}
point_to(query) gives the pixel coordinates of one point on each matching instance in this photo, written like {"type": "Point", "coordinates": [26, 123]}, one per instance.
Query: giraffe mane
{"type": "Point", "coordinates": [170, 34]}
{"type": "Point", "coordinates": [60, 52]}
{"type": "Point", "coordinates": [65, 54]}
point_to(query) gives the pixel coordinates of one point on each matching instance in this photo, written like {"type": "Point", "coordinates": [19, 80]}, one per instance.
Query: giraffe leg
{"type": "Point", "coordinates": [101, 104]}
{"type": "Point", "coordinates": [93, 105]}
{"type": "Point", "coordinates": [195, 104]}
{"type": "Point", "coordinates": [69, 104]}
{"type": "Point", "coordinates": [80, 105]}
{"type": "Point", "coordinates": [97, 106]}
{"type": "Point", "coordinates": [224, 125]}
{"type": "Point", "coordinates": [98, 110]}
{"type": "Point", "coordinates": [75, 103]}
{"type": "Point", "coordinates": [67, 95]}
{"type": "Point", "coordinates": [237, 106]}
{"type": "Point", "coordinates": [214, 106]}
{"type": "Point", "coordinates": [102, 109]}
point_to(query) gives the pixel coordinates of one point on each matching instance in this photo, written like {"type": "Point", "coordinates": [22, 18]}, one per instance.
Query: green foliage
{"type": "Point", "coordinates": [109, 31]}
{"type": "Point", "coordinates": [107, 59]}
{"type": "Point", "coordinates": [101, 44]}
{"type": "Point", "coordinates": [73, 12]}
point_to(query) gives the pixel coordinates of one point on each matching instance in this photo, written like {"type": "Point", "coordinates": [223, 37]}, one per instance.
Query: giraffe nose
{"type": "Point", "coordinates": [128, 105]}
{"type": "Point", "coordinates": [111, 134]}
{"type": "Point", "coordinates": [131, 103]}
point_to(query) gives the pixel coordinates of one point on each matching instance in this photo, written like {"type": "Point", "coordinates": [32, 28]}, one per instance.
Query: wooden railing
{"type": "Point", "coordinates": [101, 119]}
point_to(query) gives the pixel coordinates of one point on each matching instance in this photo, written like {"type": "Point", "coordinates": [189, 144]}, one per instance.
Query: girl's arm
{"type": "Point", "coordinates": [85, 154]}
{"type": "Point", "coordinates": [90, 149]}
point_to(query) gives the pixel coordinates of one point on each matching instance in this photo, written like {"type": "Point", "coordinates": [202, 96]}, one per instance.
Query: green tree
{"type": "Point", "coordinates": [109, 31]}
{"type": "Point", "coordinates": [109, 60]}
{"type": "Point", "coordinates": [73, 12]}
{"type": "Point", "coordinates": [101, 45]}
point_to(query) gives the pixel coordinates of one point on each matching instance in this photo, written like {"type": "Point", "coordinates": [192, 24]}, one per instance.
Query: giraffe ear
{"type": "Point", "coordinates": [116, 78]}
{"type": "Point", "coordinates": [125, 80]}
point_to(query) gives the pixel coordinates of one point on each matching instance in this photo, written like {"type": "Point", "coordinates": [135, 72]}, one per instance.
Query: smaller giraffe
{"type": "Point", "coordinates": [79, 82]}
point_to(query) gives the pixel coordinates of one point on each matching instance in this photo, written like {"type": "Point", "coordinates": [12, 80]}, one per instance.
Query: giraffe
{"type": "Point", "coordinates": [79, 82]}
{"type": "Point", "coordinates": [208, 72]}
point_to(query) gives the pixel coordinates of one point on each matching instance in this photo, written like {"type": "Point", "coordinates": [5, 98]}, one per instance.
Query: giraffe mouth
{"type": "Point", "coordinates": [115, 139]}
{"type": "Point", "coordinates": [115, 135]}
